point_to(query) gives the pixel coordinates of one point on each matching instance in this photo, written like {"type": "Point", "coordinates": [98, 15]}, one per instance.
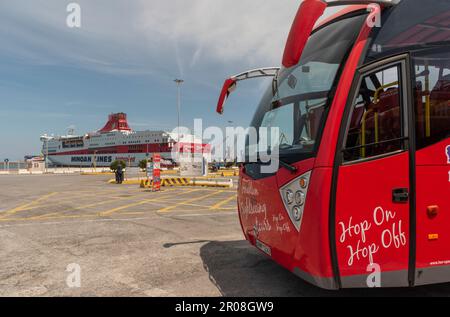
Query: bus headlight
{"type": "Point", "coordinates": [289, 197]}
{"type": "Point", "coordinates": [297, 213]}
{"type": "Point", "coordinates": [294, 196]}
{"type": "Point", "coordinates": [300, 198]}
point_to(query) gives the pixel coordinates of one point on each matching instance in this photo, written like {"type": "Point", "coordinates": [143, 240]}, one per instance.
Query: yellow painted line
{"type": "Point", "coordinates": [142, 202]}
{"type": "Point", "coordinates": [223, 202]}
{"type": "Point", "coordinates": [95, 204]}
{"type": "Point", "coordinates": [190, 201]}
{"type": "Point", "coordinates": [93, 191]}
{"type": "Point", "coordinates": [77, 198]}
{"type": "Point", "coordinates": [194, 205]}
{"type": "Point", "coordinates": [132, 213]}
{"type": "Point", "coordinates": [187, 211]}
{"type": "Point", "coordinates": [58, 203]}
{"type": "Point", "coordinates": [23, 207]}
{"type": "Point", "coordinates": [55, 217]}
{"type": "Point", "coordinates": [88, 206]}
{"type": "Point", "coordinates": [45, 216]}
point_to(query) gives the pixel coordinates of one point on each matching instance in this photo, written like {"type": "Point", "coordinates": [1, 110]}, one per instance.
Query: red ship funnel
{"type": "Point", "coordinates": [116, 122]}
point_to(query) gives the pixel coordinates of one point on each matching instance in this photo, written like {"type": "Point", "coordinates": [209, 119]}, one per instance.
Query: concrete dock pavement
{"type": "Point", "coordinates": [128, 241]}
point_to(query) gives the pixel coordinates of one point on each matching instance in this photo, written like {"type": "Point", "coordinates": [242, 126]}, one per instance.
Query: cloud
{"type": "Point", "coordinates": [142, 37]}
{"type": "Point", "coordinates": [226, 31]}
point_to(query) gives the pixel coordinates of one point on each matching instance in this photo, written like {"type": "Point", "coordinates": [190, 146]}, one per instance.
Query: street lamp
{"type": "Point", "coordinates": [179, 82]}
{"type": "Point", "coordinates": [95, 161]}
{"type": "Point", "coordinates": [46, 156]}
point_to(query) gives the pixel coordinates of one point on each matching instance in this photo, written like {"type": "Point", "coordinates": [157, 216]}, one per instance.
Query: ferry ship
{"type": "Point", "coordinates": [117, 141]}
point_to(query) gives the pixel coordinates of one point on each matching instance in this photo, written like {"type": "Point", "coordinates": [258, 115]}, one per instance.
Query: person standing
{"type": "Point", "coordinates": [119, 174]}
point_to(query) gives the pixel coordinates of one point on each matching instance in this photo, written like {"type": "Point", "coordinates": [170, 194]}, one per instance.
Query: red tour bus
{"type": "Point", "coordinates": [362, 102]}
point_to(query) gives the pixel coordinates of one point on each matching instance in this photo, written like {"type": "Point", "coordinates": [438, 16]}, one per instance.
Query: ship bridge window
{"type": "Point", "coordinates": [73, 143]}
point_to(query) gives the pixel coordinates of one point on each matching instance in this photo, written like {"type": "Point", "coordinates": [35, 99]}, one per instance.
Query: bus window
{"type": "Point", "coordinates": [421, 28]}
{"type": "Point", "coordinates": [298, 104]}
{"type": "Point", "coordinates": [376, 122]}
{"type": "Point", "coordinates": [280, 118]}
{"type": "Point", "coordinates": [432, 95]}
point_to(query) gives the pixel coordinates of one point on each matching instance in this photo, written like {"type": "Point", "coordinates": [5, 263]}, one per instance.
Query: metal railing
{"type": "Point", "coordinates": [12, 166]}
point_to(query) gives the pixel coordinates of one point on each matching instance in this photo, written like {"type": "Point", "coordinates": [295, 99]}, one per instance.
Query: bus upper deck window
{"type": "Point", "coordinates": [432, 95]}
{"type": "Point", "coordinates": [375, 126]}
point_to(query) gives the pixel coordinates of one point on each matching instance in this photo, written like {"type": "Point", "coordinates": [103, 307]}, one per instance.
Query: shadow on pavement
{"type": "Point", "coordinates": [238, 269]}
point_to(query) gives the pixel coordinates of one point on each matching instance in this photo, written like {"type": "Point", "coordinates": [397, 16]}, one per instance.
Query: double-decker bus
{"type": "Point", "coordinates": [361, 197]}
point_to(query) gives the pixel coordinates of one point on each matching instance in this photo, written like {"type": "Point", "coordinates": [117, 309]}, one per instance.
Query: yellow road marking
{"type": "Point", "coordinates": [189, 201]}
{"type": "Point", "coordinates": [142, 202]}
{"type": "Point", "coordinates": [23, 207]}
{"type": "Point", "coordinates": [193, 205]}
{"type": "Point", "coordinates": [223, 202]}
{"type": "Point", "coordinates": [103, 202]}
{"type": "Point", "coordinates": [132, 213]}
{"type": "Point", "coordinates": [79, 208]}
{"type": "Point", "coordinates": [60, 202]}
{"type": "Point", "coordinates": [84, 206]}
{"type": "Point", "coordinates": [48, 218]}
{"type": "Point", "coordinates": [161, 201]}
{"type": "Point", "coordinates": [42, 216]}
{"type": "Point", "coordinates": [63, 200]}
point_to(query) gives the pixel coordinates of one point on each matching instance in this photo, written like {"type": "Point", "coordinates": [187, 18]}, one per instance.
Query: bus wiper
{"type": "Point", "coordinates": [288, 166]}
{"type": "Point", "coordinates": [284, 164]}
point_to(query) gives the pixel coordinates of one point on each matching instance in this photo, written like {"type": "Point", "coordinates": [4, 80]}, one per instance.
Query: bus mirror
{"type": "Point", "coordinates": [228, 87]}
{"type": "Point", "coordinates": [230, 84]}
{"type": "Point", "coordinates": [309, 13]}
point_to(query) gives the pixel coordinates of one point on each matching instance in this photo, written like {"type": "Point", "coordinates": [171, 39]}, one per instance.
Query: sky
{"type": "Point", "coordinates": [124, 58]}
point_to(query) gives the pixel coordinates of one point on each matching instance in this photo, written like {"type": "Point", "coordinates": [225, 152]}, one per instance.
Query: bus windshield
{"type": "Point", "coordinates": [297, 101]}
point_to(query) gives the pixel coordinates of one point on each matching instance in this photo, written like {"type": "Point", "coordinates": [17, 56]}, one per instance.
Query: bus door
{"type": "Point", "coordinates": [372, 202]}
{"type": "Point", "coordinates": [431, 69]}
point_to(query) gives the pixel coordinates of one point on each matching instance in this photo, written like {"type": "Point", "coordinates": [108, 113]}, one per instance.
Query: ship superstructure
{"type": "Point", "coordinates": [117, 141]}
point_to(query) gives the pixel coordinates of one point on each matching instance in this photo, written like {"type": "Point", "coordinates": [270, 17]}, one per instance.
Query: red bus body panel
{"type": "Point", "coordinates": [433, 234]}
{"type": "Point", "coordinates": [314, 236]}
{"type": "Point", "coordinates": [370, 228]}
{"type": "Point", "coordinates": [260, 205]}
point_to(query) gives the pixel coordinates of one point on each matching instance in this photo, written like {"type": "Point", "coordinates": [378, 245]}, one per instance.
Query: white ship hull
{"type": "Point", "coordinates": [105, 160]}
{"type": "Point", "coordinates": [116, 141]}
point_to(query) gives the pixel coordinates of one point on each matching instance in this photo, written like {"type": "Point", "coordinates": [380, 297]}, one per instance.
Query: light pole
{"type": "Point", "coordinates": [46, 155]}
{"type": "Point", "coordinates": [7, 165]}
{"type": "Point", "coordinates": [179, 82]}
{"type": "Point", "coordinates": [95, 161]}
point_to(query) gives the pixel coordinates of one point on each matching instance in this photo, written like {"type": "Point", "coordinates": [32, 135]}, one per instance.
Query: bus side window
{"type": "Point", "coordinates": [432, 96]}
{"type": "Point", "coordinates": [375, 126]}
